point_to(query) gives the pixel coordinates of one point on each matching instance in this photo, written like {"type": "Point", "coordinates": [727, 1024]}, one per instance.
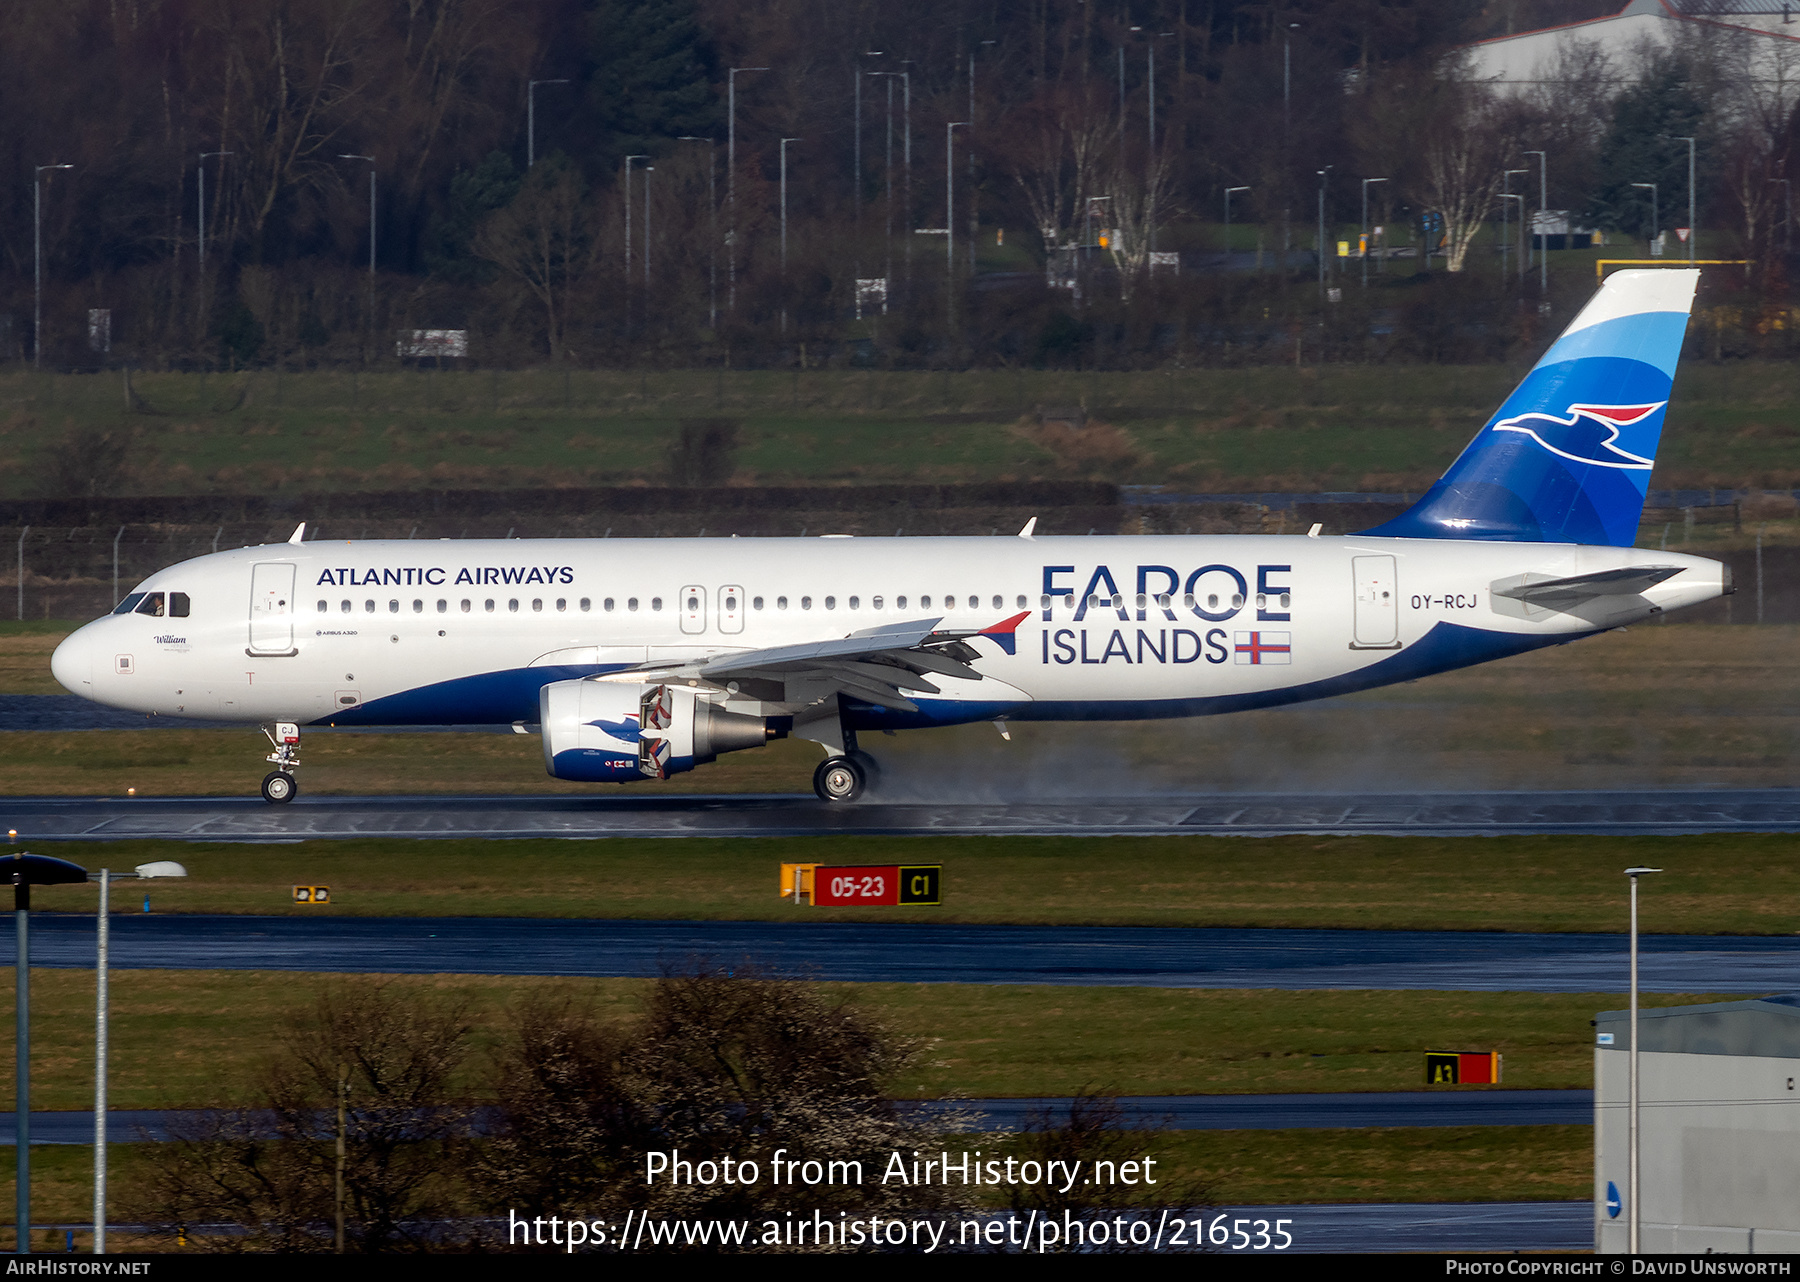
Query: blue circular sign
{"type": "Point", "coordinates": [1614, 1204]}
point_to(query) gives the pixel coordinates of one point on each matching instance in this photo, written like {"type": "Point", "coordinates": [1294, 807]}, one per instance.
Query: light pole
{"type": "Point", "coordinates": [371, 160]}
{"type": "Point", "coordinates": [37, 263]}
{"type": "Point", "coordinates": [1693, 231]}
{"type": "Point", "coordinates": [202, 204]}
{"type": "Point", "coordinates": [1287, 119]}
{"type": "Point", "coordinates": [731, 179]}
{"type": "Point", "coordinates": [1543, 204]}
{"type": "Point", "coordinates": [784, 147]}
{"type": "Point", "coordinates": [1323, 173]}
{"type": "Point", "coordinates": [1655, 216]}
{"type": "Point", "coordinates": [888, 173]}
{"type": "Point", "coordinates": [28, 870]}
{"type": "Point", "coordinates": [712, 205]}
{"type": "Point", "coordinates": [950, 215]}
{"type": "Point", "coordinates": [648, 170]}
{"type": "Point", "coordinates": [856, 79]}
{"type": "Point", "coordinates": [531, 118]}
{"type": "Point", "coordinates": [1150, 163]}
{"type": "Point", "coordinates": [1507, 195]}
{"type": "Point", "coordinates": [102, 932]}
{"type": "Point", "coordinates": [1365, 227]}
{"type": "Point", "coordinates": [628, 161]}
{"type": "Point", "coordinates": [1228, 192]}
{"type": "Point", "coordinates": [1506, 187]}
{"type": "Point", "coordinates": [974, 204]}
{"type": "Point", "coordinates": [1632, 1145]}
{"type": "Point", "coordinates": [1787, 219]}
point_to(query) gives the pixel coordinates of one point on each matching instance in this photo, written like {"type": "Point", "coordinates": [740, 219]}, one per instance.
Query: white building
{"type": "Point", "coordinates": [1764, 32]}
{"type": "Point", "coordinates": [1718, 1128]}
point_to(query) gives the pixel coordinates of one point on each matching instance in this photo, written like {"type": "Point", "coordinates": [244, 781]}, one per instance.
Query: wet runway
{"type": "Point", "coordinates": [859, 952]}
{"type": "Point", "coordinates": [617, 815]}
{"type": "Point", "coordinates": [1171, 1112]}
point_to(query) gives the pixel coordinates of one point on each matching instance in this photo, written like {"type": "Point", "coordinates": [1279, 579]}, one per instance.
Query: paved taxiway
{"type": "Point", "coordinates": [618, 814]}
{"type": "Point", "coordinates": [1170, 957]}
{"type": "Point", "coordinates": [1173, 1112]}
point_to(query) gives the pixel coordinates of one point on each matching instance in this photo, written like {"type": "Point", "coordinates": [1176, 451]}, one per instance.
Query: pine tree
{"type": "Point", "coordinates": [652, 80]}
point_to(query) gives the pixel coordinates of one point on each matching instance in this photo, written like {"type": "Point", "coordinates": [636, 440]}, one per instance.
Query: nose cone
{"type": "Point", "coordinates": [73, 663]}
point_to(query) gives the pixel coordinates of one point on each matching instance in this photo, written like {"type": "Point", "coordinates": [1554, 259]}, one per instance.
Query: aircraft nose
{"type": "Point", "coordinates": [72, 664]}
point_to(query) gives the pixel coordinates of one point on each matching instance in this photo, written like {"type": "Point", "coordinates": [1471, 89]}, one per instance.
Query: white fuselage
{"type": "Point", "coordinates": [461, 632]}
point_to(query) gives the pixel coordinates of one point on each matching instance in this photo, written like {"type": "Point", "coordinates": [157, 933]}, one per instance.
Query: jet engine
{"type": "Point", "coordinates": [595, 731]}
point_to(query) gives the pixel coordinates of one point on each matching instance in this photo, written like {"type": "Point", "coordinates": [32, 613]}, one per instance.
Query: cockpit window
{"type": "Point", "coordinates": [152, 604]}
{"type": "Point", "coordinates": [178, 605]}
{"type": "Point", "coordinates": [129, 604]}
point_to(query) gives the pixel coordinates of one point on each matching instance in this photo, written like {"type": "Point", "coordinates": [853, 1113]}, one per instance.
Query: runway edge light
{"type": "Point", "coordinates": [312, 894]}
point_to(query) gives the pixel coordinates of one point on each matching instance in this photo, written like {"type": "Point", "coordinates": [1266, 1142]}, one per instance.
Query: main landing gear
{"type": "Point", "coordinates": [844, 779]}
{"type": "Point", "coordinates": [279, 785]}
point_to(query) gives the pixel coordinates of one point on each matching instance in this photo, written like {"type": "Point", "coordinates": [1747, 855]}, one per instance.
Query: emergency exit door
{"type": "Point", "coordinates": [731, 608]}
{"type": "Point", "coordinates": [693, 609]}
{"type": "Point", "coordinates": [1377, 604]}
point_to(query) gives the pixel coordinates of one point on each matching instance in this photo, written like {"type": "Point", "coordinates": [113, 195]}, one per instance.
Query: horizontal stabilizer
{"type": "Point", "coordinates": [1553, 594]}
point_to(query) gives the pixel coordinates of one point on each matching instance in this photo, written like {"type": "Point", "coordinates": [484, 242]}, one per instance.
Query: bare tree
{"type": "Point", "coordinates": [1140, 197]}
{"type": "Point", "coordinates": [1065, 145]}
{"type": "Point", "coordinates": [1465, 148]}
{"type": "Point", "coordinates": [542, 240]}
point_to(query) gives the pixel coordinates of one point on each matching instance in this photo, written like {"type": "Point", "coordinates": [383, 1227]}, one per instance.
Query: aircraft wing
{"type": "Point", "coordinates": [877, 665]}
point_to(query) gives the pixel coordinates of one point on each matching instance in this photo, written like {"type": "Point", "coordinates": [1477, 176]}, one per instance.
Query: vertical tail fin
{"type": "Point", "coordinates": [1567, 459]}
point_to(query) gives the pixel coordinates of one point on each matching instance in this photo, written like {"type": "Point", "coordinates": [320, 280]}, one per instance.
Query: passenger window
{"type": "Point", "coordinates": [875, 603]}
{"type": "Point", "coordinates": [343, 607]}
{"type": "Point", "coordinates": [466, 603]}
{"type": "Point", "coordinates": [781, 603]}
{"type": "Point", "coordinates": [949, 603]}
{"type": "Point", "coordinates": [585, 601]}
{"type": "Point", "coordinates": [806, 603]}
{"type": "Point", "coordinates": [756, 603]}
{"type": "Point", "coordinates": [324, 606]}
{"type": "Point", "coordinates": [899, 603]}
{"type": "Point", "coordinates": [656, 603]}
{"type": "Point", "coordinates": [513, 605]}
{"type": "Point", "coordinates": [130, 603]}
{"type": "Point", "coordinates": [368, 607]}
{"type": "Point", "coordinates": [562, 603]}
{"type": "Point", "coordinates": [999, 602]}
{"type": "Point", "coordinates": [1287, 599]}
{"type": "Point", "coordinates": [418, 607]}
{"type": "Point", "coordinates": [393, 607]}
{"type": "Point", "coordinates": [443, 606]}
{"type": "Point", "coordinates": [178, 605]}
{"type": "Point", "coordinates": [1021, 601]}
{"type": "Point", "coordinates": [606, 605]}
{"type": "Point", "coordinates": [831, 603]}
{"type": "Point", "coordinates": [855, 602]}
{"type": "Point", "coordinates": [924, 603]}
{"type": "Point", "coordinates": [631, 604]}
{"type": "Point", "coordinates": [537, 604]}
{"type": "Point", "coordinates": [488, 605]}
{"type": "Point", "coordinates": [152, 605]}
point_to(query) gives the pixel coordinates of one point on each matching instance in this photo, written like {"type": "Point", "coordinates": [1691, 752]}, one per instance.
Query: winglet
{"type": "Point", "coordinates": [1029, 527]}
{"type": "Point", "coordinates": [299, 534]}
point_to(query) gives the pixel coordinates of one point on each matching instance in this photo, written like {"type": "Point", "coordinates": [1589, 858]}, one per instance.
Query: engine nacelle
{"type": "Point", "coordinates": [595, 731]}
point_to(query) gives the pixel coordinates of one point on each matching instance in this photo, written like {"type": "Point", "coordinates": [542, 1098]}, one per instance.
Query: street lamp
{"type": "Point", "coordinates": [37, 261]}
{"type": "Point", "coordinates": [202, 203]}
{"type": "Point", "coordinates": [1787, 220]}
{"type": "Point", "coordinates": [712, 205]}
{"type": "Point", "coordinates": [1228, 192]}
{"type": "Point", "coordinates": [1543, 204]}
{"type": "Point", "coordinates": [1634, 874]}
{"type": "Point", "coordinates": [731, 176]}
{"type": "Point", "coordinates": [856, 79]}
{"type": "Point", "coordinates": [531, 118]}
{"type": "Point", "coordinates": [1365, 227]}
{"type": "Point", "coordinates": [974, 193]}
{"type": "Point", "coordinates": [102, 921]}
{"type": "Point", "coordinates": [950, 215]}
{"type": "Point", "coordinates": [28, 870]}
{"type": "Point", "coordinates": [1693, 231]}
{"type": "Point", "coordinates": [1505, 189]}
{"type": "Point", "coordinates": [1322, 176]}
{"type": "Point", "coordinates": [1507, 195]}
{"type": "Point", "coordinates": [1655, 217]}
{"type": "Point", "coordinates": [371, 160]}
{"type": "Point", "coordinates": [628, 161]}
{"type": "Point", "coordinates": [784, 147]}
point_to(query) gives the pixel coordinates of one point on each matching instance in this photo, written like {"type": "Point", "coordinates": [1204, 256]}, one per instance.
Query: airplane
{"type": "Point", "coordinates": [637, 658]}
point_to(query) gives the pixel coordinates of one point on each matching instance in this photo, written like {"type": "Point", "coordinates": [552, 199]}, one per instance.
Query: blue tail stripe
{"type": "Point", "coordinates": [1651, 337]}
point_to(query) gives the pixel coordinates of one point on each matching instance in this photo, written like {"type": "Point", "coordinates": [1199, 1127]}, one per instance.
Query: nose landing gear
{"type": "Point", "coordinates": [279, 785]}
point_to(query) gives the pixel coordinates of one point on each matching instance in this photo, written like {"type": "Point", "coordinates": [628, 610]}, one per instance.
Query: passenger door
{"type": "Point", "coordinates": [272, 608]}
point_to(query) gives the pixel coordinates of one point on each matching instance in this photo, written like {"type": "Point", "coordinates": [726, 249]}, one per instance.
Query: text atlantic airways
{"type": "Point", "coordinates": [645, 658]}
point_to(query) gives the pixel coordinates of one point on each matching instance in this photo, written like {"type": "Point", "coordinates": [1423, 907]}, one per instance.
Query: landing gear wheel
{"type": "Point", "coordinates": [871, 769]}
{"type": "Point", "coordinates": [839, 780]}
{"type": "Point", "coordinates": [278, 786]}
